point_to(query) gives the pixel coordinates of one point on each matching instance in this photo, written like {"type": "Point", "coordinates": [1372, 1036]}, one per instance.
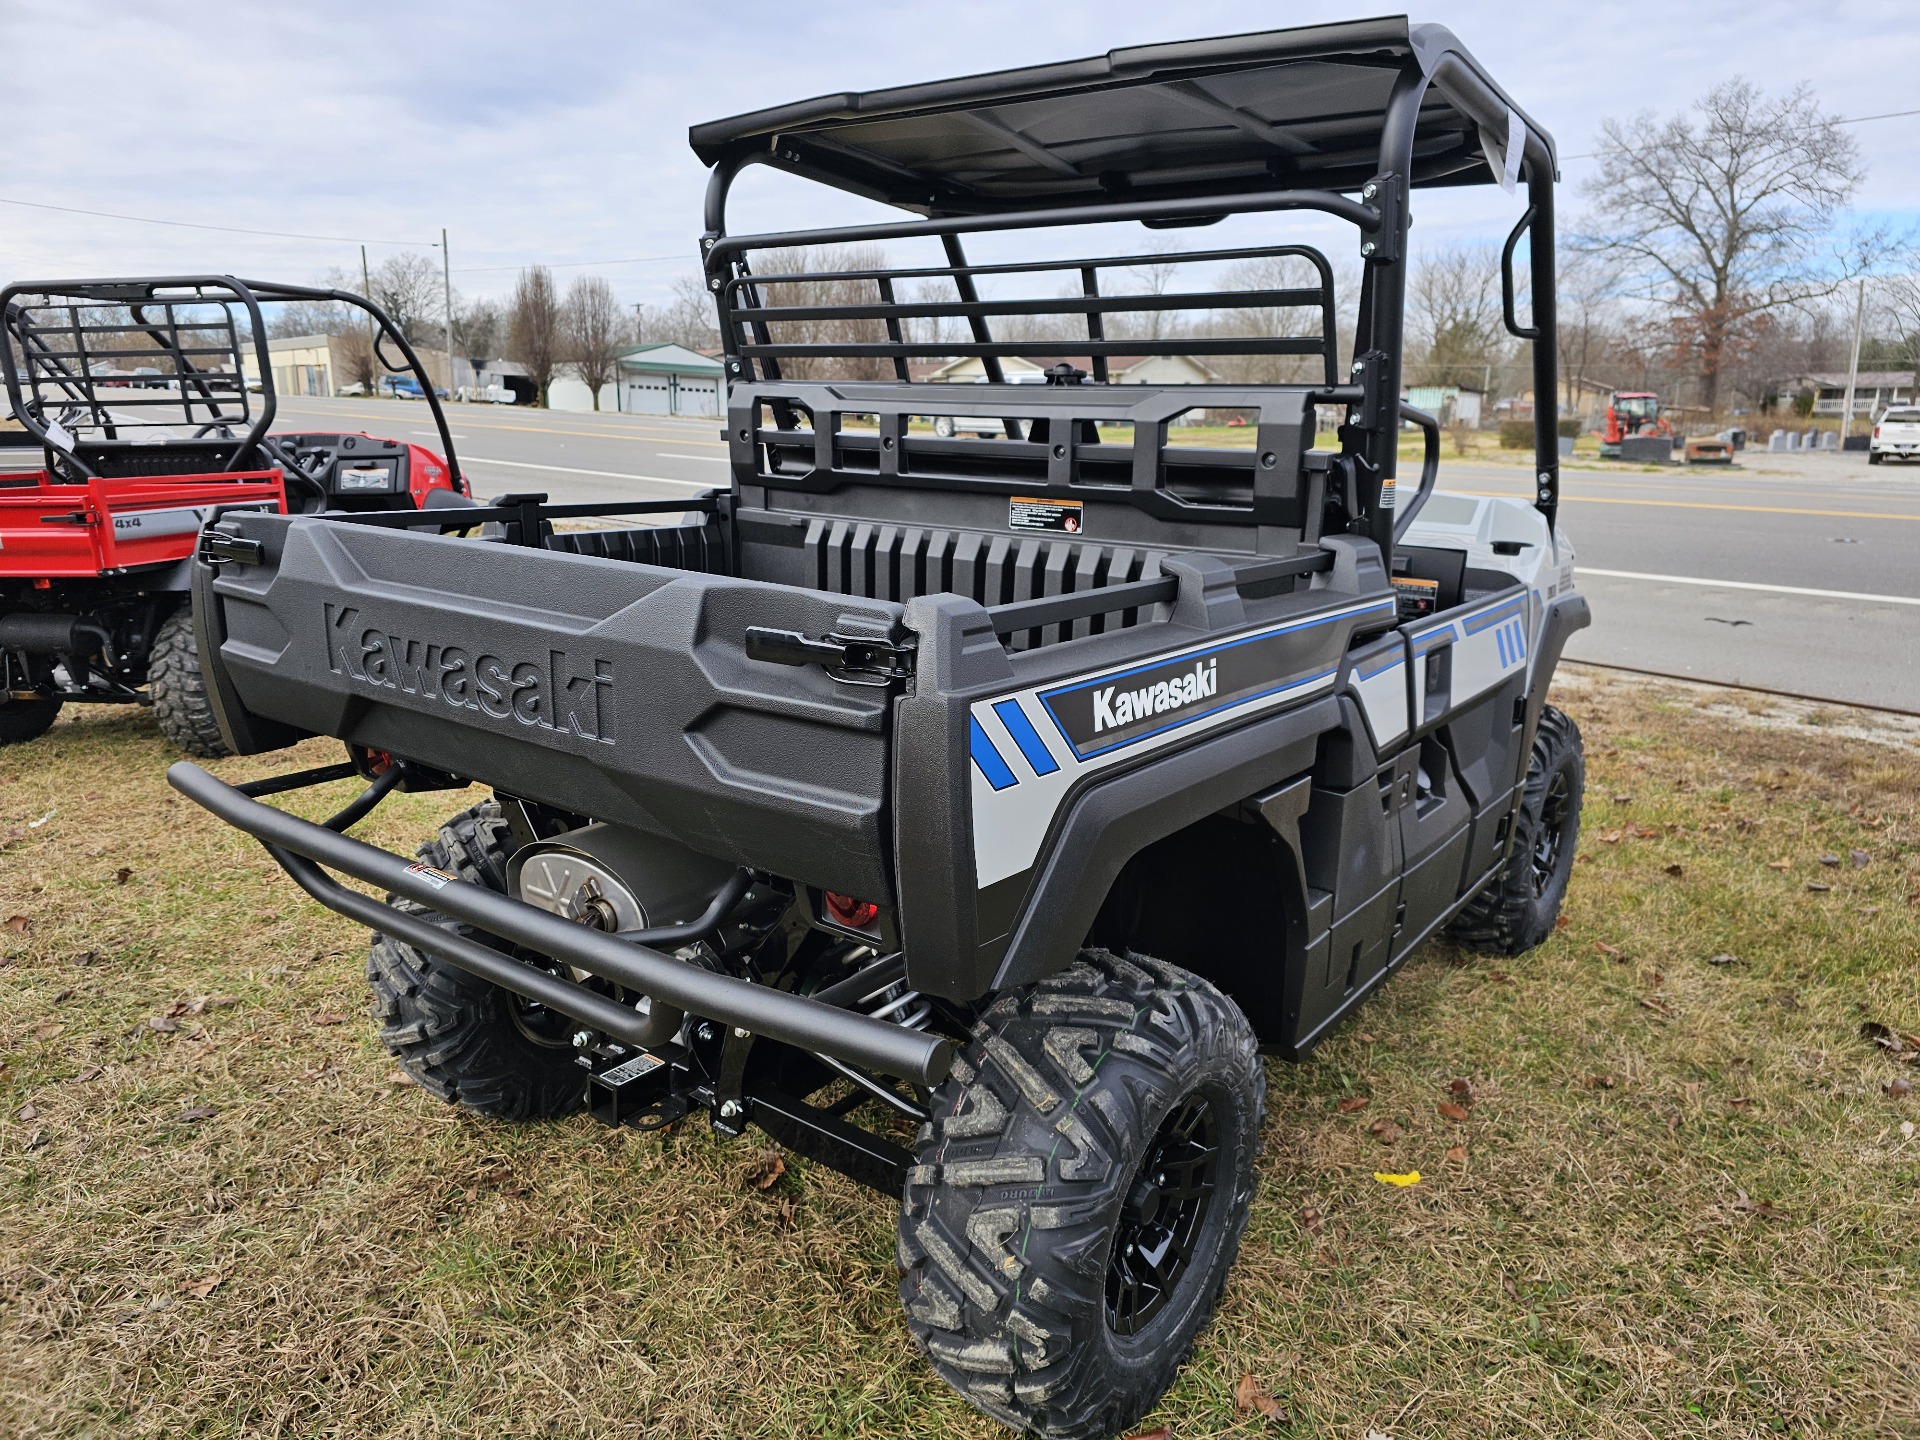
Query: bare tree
{"type": "Point", "coordinates": [593, 333]}
{"type": "Point", "coordinates": [477, 330]}
{"type": "Point", "coordinates": [1453, 314]}
{"type": "Point", "coordinates": [1282, 272]}
{"type": "Point", "coordinates": [410, 288]}
{"type": "Point", "coordinates": [356, 355]}
{"type": "Point", "coordinates": [1728, 219]}
{"type": "Point", "coordinates": [1587, 312]}
{"type": "Point", "coordinates": [828, 261]}
{"type": "Point", "coordinates": [687, 319]}
{"type": "Point", "coordinates": [533, 328]}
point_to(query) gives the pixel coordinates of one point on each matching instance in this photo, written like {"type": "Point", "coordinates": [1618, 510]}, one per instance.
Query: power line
{"type": "Point", "coordinates": [1855, 120]}
{"type": "Point", "coordinates": [228, 229]}
{"type": "Point", "coordinates": [577, 264]}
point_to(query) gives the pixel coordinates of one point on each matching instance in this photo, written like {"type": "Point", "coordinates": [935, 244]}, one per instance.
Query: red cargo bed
{"type": "Point", "coordinates": [105, 526]}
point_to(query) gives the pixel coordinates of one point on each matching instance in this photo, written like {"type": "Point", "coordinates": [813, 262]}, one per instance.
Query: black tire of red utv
{"type": "Point", "coordinates": [453, 1033]}
{"type": "Point", "coordinates": [23, 720]}
{"type": "Point", "coordinates": [179, 689]}
{"type": "Point", "coordinates": [1011, 1212]}
{"type": "Point", "coordinates": [1517, 911]}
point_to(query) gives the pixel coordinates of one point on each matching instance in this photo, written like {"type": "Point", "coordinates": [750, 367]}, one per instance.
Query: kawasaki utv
{"type": "Point", "coordinates": [140, 397]}
{"type": "Point", "coordinates": [973, 813]}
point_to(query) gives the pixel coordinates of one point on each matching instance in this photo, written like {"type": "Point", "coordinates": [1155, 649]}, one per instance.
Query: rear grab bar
{"type": "Point", "coordinates": [298, 844]}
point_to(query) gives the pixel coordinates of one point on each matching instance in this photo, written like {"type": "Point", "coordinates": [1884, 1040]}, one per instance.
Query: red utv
{"type": "Point", "coordinates": [150, 402]}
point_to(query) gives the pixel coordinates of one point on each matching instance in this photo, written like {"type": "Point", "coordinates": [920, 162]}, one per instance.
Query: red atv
{"type": "Point", "coordinates": [150, 401]}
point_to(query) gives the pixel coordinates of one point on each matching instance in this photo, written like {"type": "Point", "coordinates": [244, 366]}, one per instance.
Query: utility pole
{"type": "Point", "coordinates": [1853, 373]}
{"type": "Point", "coordinates": [373, 341]}
{"type": "Point", "coordinates": [446, 273]}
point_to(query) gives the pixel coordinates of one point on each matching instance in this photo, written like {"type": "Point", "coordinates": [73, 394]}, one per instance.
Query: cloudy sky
{"type": "Point", "coordinates": [556, 132]}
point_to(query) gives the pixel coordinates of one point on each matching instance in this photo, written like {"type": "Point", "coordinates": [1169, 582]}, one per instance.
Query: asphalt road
{"type": "Point", "coordinates": [1702, 573]}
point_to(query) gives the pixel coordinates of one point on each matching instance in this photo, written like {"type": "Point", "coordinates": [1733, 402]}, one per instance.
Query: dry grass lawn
{"type": "Point", "coordinates": [1682, 1202]}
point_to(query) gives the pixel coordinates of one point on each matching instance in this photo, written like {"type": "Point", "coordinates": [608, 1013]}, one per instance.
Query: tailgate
{"type": "Point", "coordinates": [602, 687]}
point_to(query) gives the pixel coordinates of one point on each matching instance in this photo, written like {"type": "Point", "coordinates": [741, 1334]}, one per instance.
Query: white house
{"type": "Point", "coordinates": [657, 379]}
{"type": "Point", "coordinates": [1121, 370]}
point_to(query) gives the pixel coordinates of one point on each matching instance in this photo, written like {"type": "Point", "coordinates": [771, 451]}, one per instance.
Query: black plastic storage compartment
{"type": "Point", "coordinates": [600, 686]}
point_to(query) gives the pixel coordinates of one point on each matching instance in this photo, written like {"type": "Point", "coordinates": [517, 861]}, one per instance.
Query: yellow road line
{"type": "Point", "coordinates": [455, 420]}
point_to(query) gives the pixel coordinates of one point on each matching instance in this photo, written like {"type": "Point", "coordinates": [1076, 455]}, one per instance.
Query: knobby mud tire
{"type": "Point", "coordinates": [458, 1036]}
{"type": "Point", "coordinates": [1029, 1177]}
{"type": "Point", "coordinates": [1518, 908]}
{"type": "Point", "coordinates": [181, 706]}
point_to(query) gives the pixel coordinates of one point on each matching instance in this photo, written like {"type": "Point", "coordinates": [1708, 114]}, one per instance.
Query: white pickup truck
{"type": "Point", "coordinates": [1897, 434]}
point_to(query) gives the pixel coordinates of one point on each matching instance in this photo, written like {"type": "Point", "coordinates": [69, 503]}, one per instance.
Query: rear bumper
{"type": "Point", "coordinates": [302, 847]}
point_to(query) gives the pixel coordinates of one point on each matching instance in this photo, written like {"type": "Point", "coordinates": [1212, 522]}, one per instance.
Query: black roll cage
{"type": "Point", "coordinates": [29, 349]}
{"type": "Point", "coordinates": [1380, 212]}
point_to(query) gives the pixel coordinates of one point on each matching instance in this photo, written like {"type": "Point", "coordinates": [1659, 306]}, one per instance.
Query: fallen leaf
{"type": "Point", "coordinates": [1457, 1153]}
{"type": "Point", "coordinates": [1513, 1290]}
{"type": "Point", "coordinates": [1601, 947]}
{"type": "Point", "coordinates": [1881, 1035]}
{"type": "Point", "coordinates": [29, 1112]}
{"type": "Point", "coordinates": [1450, 1111]}
{"type": "Point", "coordinates": [48, 1031]}
{"type": "Point", "coordinates": [1163, 1432]}
{"type": "Point", "coordinates": [1312, 1219]}
{"type": "Point", "coordinates": [1740, 1102]}
{"type": "Point", "coordinates": [1725, 959]}
{"type": "Point", "coordinates": [1384, 1130]}
{"type": "Point", "coordinates": [92, 1072]}
{"type": "Point", "coordinates": [1906, 1129]}
{"type": "Point", "coordinates": [122, 875]}
{"type": "Point", "coordinates": [1829, 860]}
{"type": "Point", "coordinates": [165, 1024]}
{"type": "Point", "coordinates": [1350, 1103]}
{"type": "Point", "coordinates": [1898, 1088]}
{"type": "Point", "coordinates": [200, 1289]}
{"type": "Point", "coordinates": [1365, 1037]}
{"type": "Point", "coordinates": [770, 1169]}
{"type": "Point", "coordinates": [1779, 864]}
{"type": "Point", "coordinates": [1658, 1006]}
{"type": "Point", "coordinates": [1499, 977]}
{"type": "Point", "coordinates": [1623, 799]}
{"type": "Point", "coordinates": [1248, 1395]}
{"type": "Point", "coordinates": [1461, 1090]}
{"type": "Point", "coordinates": [179, 1008]}
{"type": "Point", "coordinates": [1765, 1209]}
{"type": "Point", "coordinates": [1412, 1177]}
{"type": "Point", "coordinates": [199, 1112]}
{"type": "Point", "coordinates": [1324, 1256]}
{"type": "Point", "coordinates": [330, 1017]}
{"type": "Point", "coordinates": [1676, 871]}
{"type": "Point", "coordinates": [63, 996]}
{"type": "Point", "coordinates": [1560, 922]}
{"type": "Point", "coordinates": [1861, 859]}
{"type": "Point", "coordinates": [1817, 887]}
{"type": "Point", "coordinates": [19, 924]}
{"type": "Point", "coordinates": [1598, 1082]}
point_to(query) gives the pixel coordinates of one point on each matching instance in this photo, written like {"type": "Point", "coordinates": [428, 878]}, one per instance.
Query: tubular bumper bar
{"type": "Point", "coordinates": [791, 1019]}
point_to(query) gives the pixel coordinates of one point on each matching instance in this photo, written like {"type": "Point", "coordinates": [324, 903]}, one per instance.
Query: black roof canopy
{"type": "Point", "coordinates": [1236, 115]}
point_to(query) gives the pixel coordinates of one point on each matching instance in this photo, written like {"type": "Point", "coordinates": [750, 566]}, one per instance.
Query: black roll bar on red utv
{"type": "Point", "coordinates": [57, 332]}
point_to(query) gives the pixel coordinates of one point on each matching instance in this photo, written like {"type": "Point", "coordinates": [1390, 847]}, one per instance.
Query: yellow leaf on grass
{"type": "Point", "coordinates": [1412, 1177]}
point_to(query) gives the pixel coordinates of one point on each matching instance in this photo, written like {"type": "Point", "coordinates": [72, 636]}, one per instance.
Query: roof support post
{"type": "Point", "coordinates": [1546, 345]}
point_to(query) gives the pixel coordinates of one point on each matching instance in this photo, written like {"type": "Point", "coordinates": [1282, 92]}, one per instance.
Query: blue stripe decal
{"type": "Point", "coordinates": [1380, 669]}
{"type": "Point", "coordinates": [1501, 636]}
{"type": "Point", "coordinates": [1520, 638]}
{"type": "Point", "coordinates": [1026, 737]}
{"type": "Point", "coordinates": [995, 769]}
{"type": "Point", "coordinates": [1492, 617]}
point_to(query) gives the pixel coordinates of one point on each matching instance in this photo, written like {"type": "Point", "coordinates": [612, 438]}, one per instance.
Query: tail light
{"type": "Point", "coordinates": [852, 913]}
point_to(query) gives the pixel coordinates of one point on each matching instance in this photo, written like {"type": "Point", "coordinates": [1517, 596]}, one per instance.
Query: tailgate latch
{"type": "Point", "coordinates": [850, 659]}
{"type": "Point", "coordinates": [217, 547]}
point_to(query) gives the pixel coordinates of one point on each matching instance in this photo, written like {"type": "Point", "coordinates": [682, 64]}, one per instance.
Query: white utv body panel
{"type": "Point", "coordinates": [1490, 639]}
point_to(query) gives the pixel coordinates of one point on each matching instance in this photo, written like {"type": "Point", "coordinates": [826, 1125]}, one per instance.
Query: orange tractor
{"type": "Point", "coordinates": [1632, 412]}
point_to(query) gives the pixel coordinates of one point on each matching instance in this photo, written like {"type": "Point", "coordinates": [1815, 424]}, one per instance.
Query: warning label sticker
{"type": "Point", "coordinates": [621, 1074]}
{"type": "Point", "coordinates": [1417, 597]}
{"type": "Point", "coordinates": [1060, 516]}
{"type": "Point", "coordinates": [439, 879]}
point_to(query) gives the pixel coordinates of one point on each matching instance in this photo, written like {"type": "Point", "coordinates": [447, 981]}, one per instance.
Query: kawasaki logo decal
{"type": "Point", "coordinates": [552, 692]}
{"type": "Point", "coordinates": [1115, 708]}
{"type": "Point", "coordinates": [1109, 711]}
